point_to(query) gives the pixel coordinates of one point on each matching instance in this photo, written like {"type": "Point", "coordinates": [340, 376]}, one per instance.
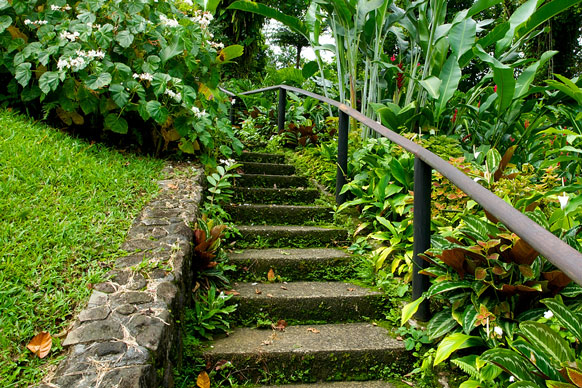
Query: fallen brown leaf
{"type": "Point", "coordinates": [269, 295]}
{"type": "Point", "coordinates": [258, 292]}
{"type": "Point", "coordinates": [266, 342]}
{"type": "Point", "coordinates": [351, 289]}
{"type": "Point", "coordinates": [174, 187]}
{"type": "Point", "coordinates": [311, 329]}
{"type": "Point", "coordinates": [41, 344]}
{"type": "Point", "coordinates": [281, 325]}
{"type": "Point", "coordinates": [271, 275]}
{"type": "Point", "coordinates": [283, 287]}
{"type": "Point", "coordinates": [203, 380]}
{"type": "Point", "coordinates": [232, 292]}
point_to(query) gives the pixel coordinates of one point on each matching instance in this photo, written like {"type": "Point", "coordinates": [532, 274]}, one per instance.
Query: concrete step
{"type": "Point", "coordinates": [279, 214]}
{"type": "Point", "coordinates": [315, 301]}
{"type": "Point", "coordinates": [261, 157]}
{"type": "Point", "coordinates": [290, 235]}
{"type": "Point", "coordinates": [337, 384]}
{"type": "Point", "coordinates": [268, 168]}
{"type": "Point", "coordinates": [272, 181]}
{"type": "Point", "coordinates": [265, 195]}
{"type": "Point", "coordinates": [311, 353]}
{"type": "Point", "coordinates": [293, 263]}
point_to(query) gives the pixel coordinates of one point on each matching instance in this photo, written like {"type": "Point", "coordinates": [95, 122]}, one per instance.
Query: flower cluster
{"type": "Point", "coordinates": [216, 45]}
{"type": "Point", "coordinates": [65, 7]}
{"type": "Point", "coordinates": [169, 22]}
{"type": "Point", "coordinates": [143, 76]}
{"type": "Point", "coordinates": [72, 36]}
{"type": "Point", "coordinates": [174, 95]}
{"type": "Point", "coordinates": [91, 54]}
{"type": "Point", "coordinates": [36, 22]}
{"type": "Point", "coordinates": [72, 63]}
{"type": "Point", "coordinates": [198, 113]}
{"type": "Point", "coordinates": [202, 18]}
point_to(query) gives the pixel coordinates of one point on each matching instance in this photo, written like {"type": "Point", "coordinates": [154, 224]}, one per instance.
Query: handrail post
{"type": "Point", "coordinates": [282, 108]}
{"type": "Point", "coordinates": [342, 156]}
{"type": "Point", "coordinates": [422, 190]}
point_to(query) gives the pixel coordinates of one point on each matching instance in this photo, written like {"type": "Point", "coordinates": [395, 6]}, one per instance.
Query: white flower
{"type": "Point", "coordinates": [27, 22]}
{"type": "Point", "coordinates": [55, 7]}
{"type": "Point", "coordinates": [172, 94]}
{"type": "Point", "coordinates": [563, 200]}
{"type": "Point", "coordinates": [143, 76]}
{"type": "Point", "coordinates": [498, 331]}
{"type": "Point", "coordinates": [36, 22]}
{"type": "Point", "coordinates": [198, 113]}
{"type": "Point", "coordinates": [511, 379]}
{"type": "Point", "coordinates": [216, 45]}
{"type": "Point", "coordinates": [62, 64]}
{"type": "Point", "coordinates": [233, 101]}
{"type": "Point", "coordinates": [169, 22]}
{"type": "Point", "coordinates": [548, 314]}
{"type": "Point", "coordinates": [70, 36]}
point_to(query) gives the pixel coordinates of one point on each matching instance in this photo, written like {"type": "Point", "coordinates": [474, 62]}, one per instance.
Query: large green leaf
{"type": "Point", "coordinates": [447, 285]}
{"type": "Point", "coordinates": [104, 35]}
{"type": "Point", "coordinates": [547, 340]}
{"type": "Point", "coordinates": [502, 75]}
{"type": "Point", "coordinates": [546, 12]}
{"type": "Point", "coordinates": [537, 357]}
{"type": "Point", "coordinates": [511, 362]}
{"type": "Point", "coordinates": [567, 318]}
{"type": "Point", "coordinates": [432, 86]}
{"type": "Point", "coordinates": [5, 22]}
{"type": "Point", "coordinates": [481, 5]}
{"type": "Point", "coordinates": [97, 81]}
{"type": "Point", "coordinates": [527, 76]}
{"type": "Point", "coordinates": [124, 38]}
{"type": "Point", "coordinates": [158, 112]}
{"type": "Point", "coordinates": [119, 95]}
{"type": "Point", "coordinates": [48, 81]}
{"type": "Point", "coordinates": [469, 318]}
{"type": "Point", "coordinates": [116, 124]}
{"type": "Point", "coordinates": [23, 73]}
{"type": "Point", "coordinates": [519, 16]}
{"type": "Point", "coordinates": [442, 323]}
{"type": "Point", "coordinates": [175, 47]}
{"type": "Point", "coordinates": [452, 343]}
{"type": "Point", "coordinates": [410, 309]}
{"type": "Point", "coordinates": [292, 22]}
{"type": "Point", "coordinates": [523, 384]}
{"type": "Point", "coordinates": [229, 53]}
{"type": "Point", "coordinates": [450, 76]}
{"type": "Point", "coordinates": [210, 5]}
{"type": "Point", "coordinates": [462, 36]}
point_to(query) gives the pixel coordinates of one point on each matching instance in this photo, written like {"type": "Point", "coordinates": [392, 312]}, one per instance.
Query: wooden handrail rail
{"type": "Point", "coordinates": [562, 255]}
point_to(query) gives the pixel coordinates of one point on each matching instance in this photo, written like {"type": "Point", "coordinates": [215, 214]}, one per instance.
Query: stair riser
{"type": "Point", "coordinates": [268, 168]}
{"type": "Point", "coordinates": [311, 367]}
{"type": "Point", "coordinates": [270, 196]}
{"type": "Point", "coordinates": [258, 157]}
{"type": "Point", "coordinates": [278, 181]}
{"type": "Point", "coordinates": [284, 238]}
{"type": "Point", "coordinates": [310, 270]}
{"type": "Point", "coordinates": [310, 309]}
{"type": "Point", "coordinates": [278, 216]}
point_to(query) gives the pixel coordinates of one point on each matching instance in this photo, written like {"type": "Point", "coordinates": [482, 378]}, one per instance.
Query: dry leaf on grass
{"type": "Point", "coordinates": [41, 344]}
{"type": "Point", "coordinates": [203, 380]}
{"type": "Point", "coordinates": [271, 275]}
{"type": "Point", "coordinates": [311, 329]}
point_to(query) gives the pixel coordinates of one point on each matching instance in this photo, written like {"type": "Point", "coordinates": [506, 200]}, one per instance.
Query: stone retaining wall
{"type": "Point", "coordinates": [127, 337]}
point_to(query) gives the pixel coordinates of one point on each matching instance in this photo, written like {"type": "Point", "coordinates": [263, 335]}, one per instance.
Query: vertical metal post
{"type": "Point", "coordinates": [282, 108]}
{"type": "Point", "coordinates": [342, 157]}
{"type": "Point", "coordinates": [422, 189]}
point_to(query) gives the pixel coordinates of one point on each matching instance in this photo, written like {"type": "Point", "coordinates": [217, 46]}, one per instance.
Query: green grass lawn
{"type": "Point", "coordinates": [65, 207]}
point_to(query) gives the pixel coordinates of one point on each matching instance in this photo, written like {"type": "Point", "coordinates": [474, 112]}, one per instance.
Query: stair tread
{"type": "Point", "coordinates": [302, 290]}
{"type": "Point", "coordinates": [291, 254]}
{"type": "Point", "coordinates": [338, 384]}
{"type": "Point", "coordinates": [306, 339]}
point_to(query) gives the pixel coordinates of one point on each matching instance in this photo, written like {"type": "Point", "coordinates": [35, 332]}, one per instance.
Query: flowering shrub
{"type": "Point", "coordinates": [147, 68]}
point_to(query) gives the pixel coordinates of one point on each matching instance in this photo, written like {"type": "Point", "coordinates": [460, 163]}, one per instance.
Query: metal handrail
{"type": "Point", "coordinates": [557, 252]}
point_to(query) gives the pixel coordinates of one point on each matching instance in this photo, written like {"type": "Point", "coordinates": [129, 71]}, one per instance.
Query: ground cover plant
{"type": "Point", "coordinates": [147, 69]}
{"type": "Point", "coordinates": [65, 206]}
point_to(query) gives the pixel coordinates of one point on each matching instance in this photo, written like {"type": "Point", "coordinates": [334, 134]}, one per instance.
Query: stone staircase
{"type": "Point", "coordinates": [329, 335]}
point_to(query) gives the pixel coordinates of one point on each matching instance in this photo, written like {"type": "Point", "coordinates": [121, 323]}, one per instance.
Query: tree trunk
{"type": "Point", "coordinates": [298, 58]}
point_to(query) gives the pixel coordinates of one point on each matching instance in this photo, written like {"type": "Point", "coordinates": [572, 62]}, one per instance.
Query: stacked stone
{"type": "Point", "coordinates": [128, 336]}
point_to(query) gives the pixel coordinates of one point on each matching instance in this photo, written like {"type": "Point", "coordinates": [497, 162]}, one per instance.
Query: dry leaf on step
{"type": "Point", "coordinates": [311, 329]}
{"type": "Point", "coordinates": [41, 344]}
{"type": "Point", "coordinates": [281, 325]}
{"type": "Point", "coordinates": [271, 275]}
{"type": "Point", "coordinates": [270, 295]}
{"type": "Point", "coordinates": [203, 380]}
{"type": "Point", "coordinates": [283, 287]}
{"type": "Point", "coordinates": [351, 289]}
{"type": "Point", "coordinates": [232, 292]}
{"type": "Point", "coordinates": [258, 292]}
